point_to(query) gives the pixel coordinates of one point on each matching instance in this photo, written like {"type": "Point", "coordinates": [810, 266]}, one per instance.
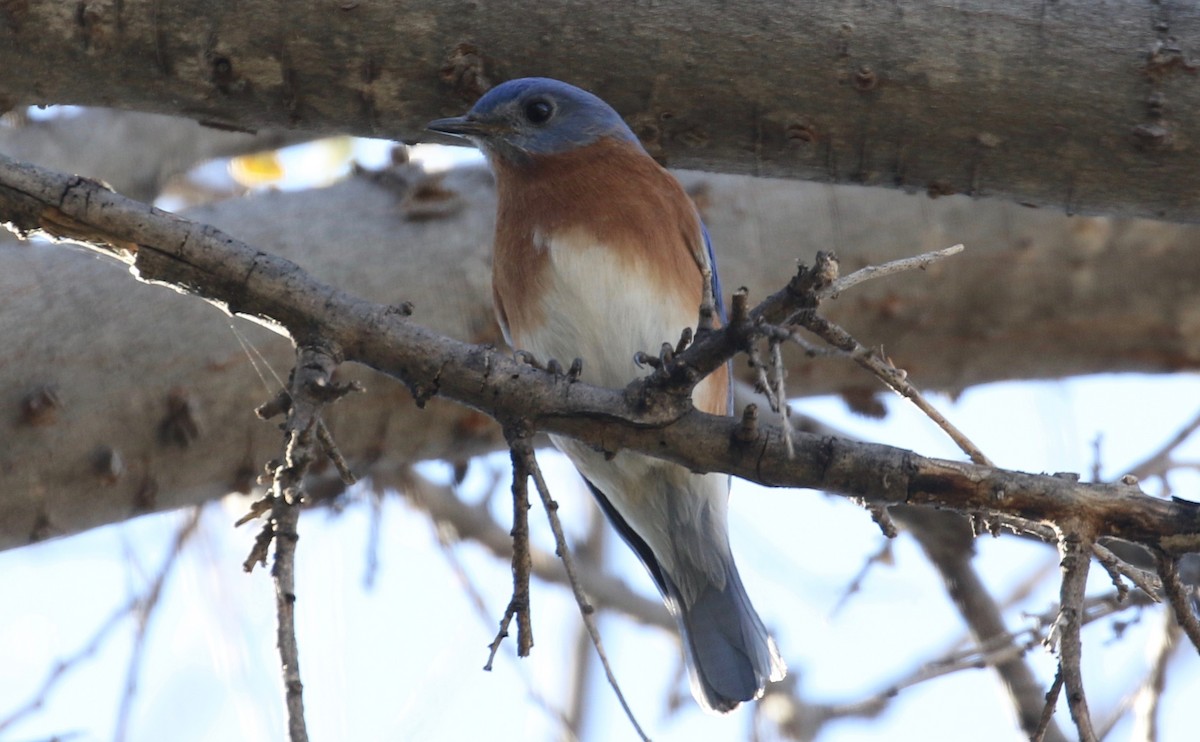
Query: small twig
{"type": "Point", "coordinates": [823, 282]}
{"type": "Point", "coordinates": [1149, 695]}
{"type": "Point", "coordinates": [286, 516]}
{"type": "Point", "coordinates": [883, 519]}
{"type": "Point", "coordinates": [1117, 568]}
{"type": "Point", "coordinates": [447, 537]}
{"type": "Point", "coordinates": [1181, 597]}
{"type": "Point", "coordinates": [890, 375]}
{"type": "Point", "coordinates": [258, 507]}
{"type": "Point", "coordinates": [779, 372]}
{"type": "Point", "coordinates": [991, 652]}
{"type": "Point", "coordinates": [762, 384]}
{"type": "Point", "coordinates": [1075, 552]}
{"type": "Point", "coordinates": [62, 667]}
{"type": "Point", "coordinates": [311, 389]}
{"type": "Point", "coordinates": [523, 446]}
{"type": "Point", "coordinates": [1048, 711]}
{"type": "Point", "coordinates": [1157, 463]}
{"type": "Point", "coordinates": [518, 605]}
{"type": "Point", "coordinates": [884, 554]}
{"type": "Point", "coordinates": [916, 262]}
{"type": "Point", "coordinates": [583, 656]}
{"type": "Point", "coordinates": [334, 453]}
{"type": "Point", "coordinates": [501, 634]}
{"type": "Point", "coordinates": [145, 608]}
{"type": "Point", "coordinates": [474, 522]}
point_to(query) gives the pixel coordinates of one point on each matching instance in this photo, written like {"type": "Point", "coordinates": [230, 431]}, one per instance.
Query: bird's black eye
{"type": "Point", "coordinates": [538, 111]}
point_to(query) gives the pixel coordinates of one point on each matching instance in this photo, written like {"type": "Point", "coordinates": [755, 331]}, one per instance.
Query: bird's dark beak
{"type": "Point", "coordinates": [460, 126]}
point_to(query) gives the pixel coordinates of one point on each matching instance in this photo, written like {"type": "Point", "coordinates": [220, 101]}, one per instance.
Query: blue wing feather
{"type": "Point", "coordinates": [718, 298]}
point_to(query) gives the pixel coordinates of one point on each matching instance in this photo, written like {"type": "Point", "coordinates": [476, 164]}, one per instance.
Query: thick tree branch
{"type": "Point", "coordinates": [1039, 102]}
{"type": "Point", "coordinates": [402, 234]}
{"type": "Point", "coordinates": [168, 249]}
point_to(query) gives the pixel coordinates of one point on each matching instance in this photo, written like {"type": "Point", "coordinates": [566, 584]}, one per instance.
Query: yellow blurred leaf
{"type": "Point", "coordinates": [257, 169]}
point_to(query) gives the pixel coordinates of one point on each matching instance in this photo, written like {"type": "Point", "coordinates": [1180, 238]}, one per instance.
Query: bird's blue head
{"type": "Point", "coordinates": [536, 116]}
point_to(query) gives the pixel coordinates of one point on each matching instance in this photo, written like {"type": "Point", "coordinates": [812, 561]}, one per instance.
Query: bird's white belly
{"type": "Point", "coordinates": [594, 309]}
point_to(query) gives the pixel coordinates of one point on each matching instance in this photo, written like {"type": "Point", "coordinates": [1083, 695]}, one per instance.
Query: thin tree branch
{"type": "Point", "coordinates": [311, 388]}
{"type": "Point", "coordinates": [1052, 694]}
{"type": "Point", "coordinates": [890, 268]}
{"type": "Point", "coordinates": [1159, 462]}
{"type": "Point", "coordinates": [286, 517]}
{"type": "Point", "coordinates": [896, 378]}
{"type": "Point", "coordinates": [475, 522]}
{"type": "Point", "coordinates": [146, 606]}
{"type": "Point", "coordinates": [1075, 553]}
{"type": "Point", "coordinates": [1181, 597]}
{"type": "Point", "coordinates": [518, 604]}
{"type": "Point", "coordinates": [446, 540]}
{"type": "Point", "coordinates": [523, 448]}
{"type": "Point", "coordinates": [583, 658]}
{"type": "Point", "coordinates": [1117, 568]}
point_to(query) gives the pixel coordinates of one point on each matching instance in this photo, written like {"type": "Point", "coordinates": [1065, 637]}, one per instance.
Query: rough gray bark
{"type": "Point", "coordinates": [1082, 105]}
{"type": "Point", "coordinates": [1068, 305]}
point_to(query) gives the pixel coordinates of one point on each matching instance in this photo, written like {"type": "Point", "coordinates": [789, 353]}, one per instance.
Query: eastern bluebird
{"type": "Point", "coordinates": [599, 254]}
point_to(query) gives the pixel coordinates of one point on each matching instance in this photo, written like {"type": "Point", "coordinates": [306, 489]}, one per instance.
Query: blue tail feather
{"type": "Point", "coordinates": [730, 655]}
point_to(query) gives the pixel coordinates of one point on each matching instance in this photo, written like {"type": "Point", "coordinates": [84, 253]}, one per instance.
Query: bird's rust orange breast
{"type": "Point", "coordinates": [610, 190]}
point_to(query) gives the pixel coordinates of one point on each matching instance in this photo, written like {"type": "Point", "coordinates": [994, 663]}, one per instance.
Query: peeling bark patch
{"type": "Point", "coordinates": [1152, 136]}
{"type": "Point", "coordinates": [40, 407]}
{"type": "Point", "coordinates": [865, 79]}
{"type": "Point", "coordinates": [1165, 57]}
{"type": "Point", "coordinates": [939, 188]}
{"type": "Point", "coordinates": [371, 69]}
{"type": "Point", "coordinates": [244, 478]}
{"type": "Point", "coordinates": [42, 528]}
{"type": "Point", "coordinates": [465, 71]}
{"type": "Point", "coordinates": [13, 13]}
{"type": "Point", "coordinates": [403, 309]}
{"type": "Point", "coordinates": [108, 464]}
{"type": "Point", "coordinates": [693, 138]}
{"type": "Point", "coordinates": [1156, 104]}
{"type": "Point", "coordinates": [89, 17]}
{"type": "Point", "coordinates": [181, 425]}
{"type": "Point", "coordinates": [801, 133]}
{"type": "Point", "coordinates": [145, 499]}
{"type": "Point", "coordinates": [223, 76]}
